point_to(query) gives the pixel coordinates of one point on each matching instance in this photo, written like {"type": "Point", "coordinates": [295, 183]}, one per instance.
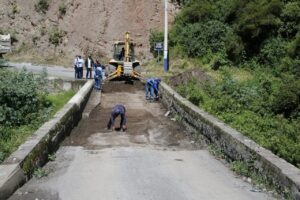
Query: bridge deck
{"type": "Point", "coordinates": [154, 159]}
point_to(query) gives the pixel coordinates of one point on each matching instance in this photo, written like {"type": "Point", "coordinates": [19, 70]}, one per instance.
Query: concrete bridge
{"type": "Point", "coordinates": [156, 158]}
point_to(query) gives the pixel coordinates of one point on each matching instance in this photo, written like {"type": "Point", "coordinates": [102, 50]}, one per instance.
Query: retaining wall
{"type": "Point", "coordinates": [234, 144]}
{"type": "Point", "coordinates": [18, 168]}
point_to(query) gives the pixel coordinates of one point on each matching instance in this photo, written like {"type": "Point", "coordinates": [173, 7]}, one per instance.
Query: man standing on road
{"type": "Point", "coordinates": [116, 111]}
{"type": "Point", "coordinates": [80, 63]}
{"type": "Point", "coordinates": [76, 66]}
{"type": "Point", "coordinates": [88, 64]}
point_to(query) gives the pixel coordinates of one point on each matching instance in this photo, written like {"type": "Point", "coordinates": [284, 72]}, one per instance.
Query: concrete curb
{"type": "Point", "coordinates": [233, 143]}
{"type": "Point", "coordinates": [18, 168]}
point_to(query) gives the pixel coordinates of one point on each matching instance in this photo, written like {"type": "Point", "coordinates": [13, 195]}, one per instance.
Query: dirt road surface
{"type": "Point", "coordinates": [153, 160]}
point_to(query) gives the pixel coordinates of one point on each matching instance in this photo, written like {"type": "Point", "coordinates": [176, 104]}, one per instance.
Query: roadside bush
{"type": "Point", "coordinates": [42, 6]}
{"type": "Point", "coordinates": [20, 98]}
{"type": "Point", "coordinates": [192, 92]}
{"type": "Point", "coordinates": [287, 98]}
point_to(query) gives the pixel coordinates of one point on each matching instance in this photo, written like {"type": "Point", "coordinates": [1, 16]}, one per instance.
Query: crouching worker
{"type": "Point", "coordinates": [156, 87]}
{"type": "Point", "coordinates": [149, 89]}
{"type": "Point", "coordinates": [116, 111]}
{"type": "Point", "coordinates": [98, 76]}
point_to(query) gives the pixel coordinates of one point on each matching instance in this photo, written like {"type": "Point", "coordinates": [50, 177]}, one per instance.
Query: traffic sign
{"type": "Point", "coordinates": [158, 46]}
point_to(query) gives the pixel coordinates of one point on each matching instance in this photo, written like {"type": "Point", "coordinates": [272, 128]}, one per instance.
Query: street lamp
{"type": "Point", "coordinates": [166, 56]}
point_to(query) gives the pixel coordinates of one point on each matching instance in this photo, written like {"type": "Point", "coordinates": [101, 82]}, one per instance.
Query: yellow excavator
{"type": "Point", "coordinates": [123, 65]}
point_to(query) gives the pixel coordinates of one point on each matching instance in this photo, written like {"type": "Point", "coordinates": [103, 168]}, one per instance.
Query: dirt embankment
{"type": "Point", "coordinates": [80, 26]}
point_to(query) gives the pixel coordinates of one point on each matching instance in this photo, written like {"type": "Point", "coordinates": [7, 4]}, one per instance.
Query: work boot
{"type": "Point", "coordinates": [152, 99]}
{"type": "Point", "coordinates": [124, 128]}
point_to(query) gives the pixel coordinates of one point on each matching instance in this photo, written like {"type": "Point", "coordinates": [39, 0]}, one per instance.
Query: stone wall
{"type": "Point", "coordinates": [233, 144]}
{"type": "Point", "coordinates": [18, 168]}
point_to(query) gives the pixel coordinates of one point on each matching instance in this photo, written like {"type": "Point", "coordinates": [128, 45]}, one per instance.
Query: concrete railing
{"type": "Point", "coordinates": [18, 168]}
{"type": "Point", "coordinates": [234, 144]}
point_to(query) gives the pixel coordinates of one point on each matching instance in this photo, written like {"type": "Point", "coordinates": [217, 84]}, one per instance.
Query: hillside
{"type": "Point", "coordinates": [55, 28]}
{"type": "Point", "coordinates": [251, 50]}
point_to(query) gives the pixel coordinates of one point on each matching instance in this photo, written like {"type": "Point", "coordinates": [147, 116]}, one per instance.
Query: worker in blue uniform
{"type": "Point", "coordinates": [156, 83]}
{"type": "Point", "coordinates": [98, 76]}
{"type": "Point", "coordinates": [116, 111]}
{"type": "Point", "coordinates": [149, 89]}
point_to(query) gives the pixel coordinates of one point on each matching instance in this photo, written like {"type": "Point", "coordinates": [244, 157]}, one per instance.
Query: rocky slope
{"type": "Point", "coordinates": [69, 27]}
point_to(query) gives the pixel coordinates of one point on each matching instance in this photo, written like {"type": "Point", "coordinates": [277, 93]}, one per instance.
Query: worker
{"type": "Point", "coordinates": [149, 89]}
{"type": "Point", "coordinates": [122, 54]}
{"type": "Point", "coordinates": [116, 111]}
{"type": "Point", "coordinates": [98, 75]}
{"type": "Point", "coordinates": [156, 87]}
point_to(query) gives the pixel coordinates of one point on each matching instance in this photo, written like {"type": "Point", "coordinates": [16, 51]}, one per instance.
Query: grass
{"type": "Point", "coordinates": [18, 135]}
{"type": "Point", "coordinates": [60, 99]}
{"type": "Point", "coordinates": [180, 65]}
{"type": "Point", "coordinates": [156, 69]}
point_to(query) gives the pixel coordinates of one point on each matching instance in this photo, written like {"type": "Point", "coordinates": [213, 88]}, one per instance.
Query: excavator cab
{"type": "Point", "coordinates": [124, 65]}
{"type": "Point", "coordinates": [119, 52]}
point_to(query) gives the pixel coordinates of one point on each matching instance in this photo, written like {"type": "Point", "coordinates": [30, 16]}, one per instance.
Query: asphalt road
{"type": "Point", "coordinates": [53, 71]}
{"type": "Point", "coordinates": [153, 160]}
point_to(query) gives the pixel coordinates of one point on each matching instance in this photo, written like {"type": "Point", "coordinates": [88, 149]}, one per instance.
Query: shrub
{"type": "Point", "coordinates": [41, 6]}
{"type": "Point", "coordinates": [287, 98]}
{"type": "Point", "coordinates": [56, 36]}
{"type": "Point", "coordinates": [192, 92]}
{"type": "Point", "coordinates": [62, 9]}
{"type": "Point", "coordinates": [291, 17]}
{"type": "Point", "coordinates": [14, 7]}
{"type": "Point", "coordinates": [201, 39]}
{"type": "Point", "coordinates": [273, 51]}
{"type": "Point", "coordinates": [20, 98]}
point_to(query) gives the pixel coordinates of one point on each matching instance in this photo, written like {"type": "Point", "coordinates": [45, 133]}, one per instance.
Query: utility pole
{"type": "Point", "coordinates": [166, 56]}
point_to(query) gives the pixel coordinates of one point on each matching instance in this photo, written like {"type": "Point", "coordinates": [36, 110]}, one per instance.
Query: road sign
{"type": "Point", "coordinates": [158, 46]}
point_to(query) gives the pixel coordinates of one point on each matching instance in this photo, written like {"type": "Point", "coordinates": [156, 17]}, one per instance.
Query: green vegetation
{"type": "Point", "coordinates": [155, 36]}
{"type": "Point", "coordinates": [56, 36]}
{"type": "Point", "coordinates": [24, 106]}
{"type": "Point", "coordinates": [62, 9]}
{"type": "Point", "coordinates": [14, 7]}
{"type": "Point", "coordinates": [40, 173]}
{"type": "Point", "coordinates": [41, 6]}
{"type": "Point", "coordinates": [60, 99]}
{"type": "Point", "coordinates": [251, 49]}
